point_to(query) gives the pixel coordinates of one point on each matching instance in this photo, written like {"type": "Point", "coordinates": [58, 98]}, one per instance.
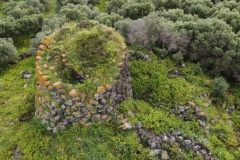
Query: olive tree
{"type": "Point", "coordinates": [8, 52]}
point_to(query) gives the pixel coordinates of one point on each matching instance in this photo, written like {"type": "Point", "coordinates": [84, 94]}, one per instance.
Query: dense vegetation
{"type": "Point", "coordinates": [194, 56]}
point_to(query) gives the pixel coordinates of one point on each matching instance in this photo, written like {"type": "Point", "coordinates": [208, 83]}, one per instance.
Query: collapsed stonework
{"type": "Point", "coordinates": [57, 107]}
{"type": "Point", "coordinates": [156, 142]}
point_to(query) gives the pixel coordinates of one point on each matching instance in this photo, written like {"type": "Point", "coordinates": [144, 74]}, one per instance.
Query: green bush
{"type": "Point", "coordinates": [151, 83]}
{"type": "Point", "coordinates": [219, 87]}
{"type": "Point", "coordinates": [8, 52]}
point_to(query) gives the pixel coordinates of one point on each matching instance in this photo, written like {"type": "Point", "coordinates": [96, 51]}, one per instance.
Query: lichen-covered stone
{"type": "Point", "coordinates": [57, 85]}
{"type": "Point", "coordinates": [73, 93]}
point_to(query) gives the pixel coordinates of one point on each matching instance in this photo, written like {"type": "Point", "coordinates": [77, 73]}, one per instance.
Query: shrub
{"type": "Point", "coordinates": [219, 87]}
{"type": "Point", "coordinates": [213, 44]}
{"type": "Point", "coordinates": [150, 82]}
{"type": "Point", "coordinates": [109, 19]}
{"type": "Point", "coordinates": [8, 52]}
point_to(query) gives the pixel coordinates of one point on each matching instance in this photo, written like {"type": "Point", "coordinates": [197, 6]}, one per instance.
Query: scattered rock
{"type": "Point", "coordinates": [127, 126]}
{"type": "Point", "coordinates": [187, 142]}
{"type": "Point", "coordinates": [55, 129]}
{"type": "Point", "coordinates": [73, 93]}
{"type": "Point", "coordinates": [172, 140]}
{"type": "Point", "coordinates": [164, 155]}
{"type": "Point", "coordinates": [26, 75]}
{"type": "Point", "coordinates": [96, 117]}
{"type": "Point", "coordinates": [57, 85]}
{"type": "Point", "coordinates": [196, 148]}
{"type": "Point", "coordinates": [84, 111]}
{"type": "Point", "coordinates": [181, 109]}
{"type": "Point", "coordinates": [25, 86]}
{"type": "Point", "coordinates": [109, 110]}
{"type": "Point", "coordinates": [192, 104]}
{"type": "Point", "coordinates": [77, 114]}
{"type": "Point", "coordinates": [202, 116]}
{"type": "Point", "coordinates": [139, 125]}
{"type": "Point", "coordinates": [69, 103]}
{"type": "Point", "coordinates": [17, 154]}
{"type": "Point", "coordinates": [155, 152]}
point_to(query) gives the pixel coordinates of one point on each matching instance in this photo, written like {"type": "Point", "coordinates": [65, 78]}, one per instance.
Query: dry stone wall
{"type": "Point", "coordinates": [156, 142]}
{"type": "Point", "coordinates": [58, 107]}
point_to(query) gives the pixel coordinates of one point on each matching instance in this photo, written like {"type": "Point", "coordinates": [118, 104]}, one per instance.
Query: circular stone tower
{"type": "Point", "coordinates": [82, 75]}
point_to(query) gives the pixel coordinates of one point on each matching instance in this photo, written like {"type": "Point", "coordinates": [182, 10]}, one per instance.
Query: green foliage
{"type": "Point", "coordinates": [236, 120]}
{"type": "Point", "coordinates": [108, 20]}
{"type": "Point", "coordinates": [157, 120]}
{"type": "Point", "coordinates": [213, 44]}
{"type": "Point", "coordinates": [219, 87]}
{"type": "Point", "coordinates": [231, 17]}
{"type": "Point", "coordinates": [140, 32]}
{"type": "Point", "coordinates": [23, 8]}
{"type": "Point", "coordinates": [177, 15]}
{"type": "Point", "coordinates": [130, 9]}
{"type": "Point", "coordinates": [8, 52]}
{"type": "Point", "coordinates": [136, 10]}
{"type": "Point", "coordinates": [178, 56]}
{"type": "Point", "coordinates": [151, 83]}
{"type": "Point", "coordinates": [26, 25]}
{"type": "Point", "coordinates": [102, 4]}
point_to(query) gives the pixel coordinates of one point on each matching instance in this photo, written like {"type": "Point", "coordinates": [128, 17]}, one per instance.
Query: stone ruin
{"type": "Point", "coordinates": [58, 107]}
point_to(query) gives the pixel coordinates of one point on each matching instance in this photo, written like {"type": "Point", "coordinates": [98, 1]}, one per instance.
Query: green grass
{"type": "Point", "coordinates": [22, 44]}
{"type": "Point", "coordinates": [96, 142]}
{"type": "Point", "coordinates": [14, 99]}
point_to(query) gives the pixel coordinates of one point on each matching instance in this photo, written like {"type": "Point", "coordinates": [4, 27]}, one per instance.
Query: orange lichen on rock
{"type": "Point", "coordinates": [39, 91]}
{"type": "Point", "coordinates": [64, 60]}
{"type": "Point", "coordinates": [44, 78]}
{"type": "Point", "coordinates": [49, 88]}
{"type": "Point", "coordinates": [42, 47]}
{"type": "Point", "coordinates": [56, 57]}
{"type": "Point", "coordinates": [52, 68]}
{"type": "Point", "coordinates": [120, 64]}
{"type": "Point", "coordinates": [38, 58]}
{"type": "Point", "coordinates": [108, 86]}
{"type": "Point", "coordinates": [39, 53]}
{"type": "Point", "coordinates": [39, 73]}
{"type": "Point", "coordinates": [100, 89]}
{"type": "Point", "coordinates": [57, 85]}
{"type": "Point", "coordinates": [41, 108]}
{"type": "Point", "coordinates": [73, 93]}
{"type": "Point", "coordinates": [45, 66]}
{"type": "Point", "coordinates": [64, 55]}
{"type": "Point", "coordinates": [124, 47]}
{"type": "Point", "coordinates": [192, 104]}
{"type": "Point", "coordinates": [91, 101]}
{"type": "Point", "coordinates": [46, 41]}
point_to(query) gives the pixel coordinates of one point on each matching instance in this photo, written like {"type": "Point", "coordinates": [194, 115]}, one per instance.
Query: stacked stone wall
{"type": "Point", "coordinates": [58, 107]}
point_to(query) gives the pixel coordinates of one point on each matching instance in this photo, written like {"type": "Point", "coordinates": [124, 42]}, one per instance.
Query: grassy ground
{"type": "Point", "coordinates": [15, 100]}
{"type": "Point", "coordinates": [22, 44]}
